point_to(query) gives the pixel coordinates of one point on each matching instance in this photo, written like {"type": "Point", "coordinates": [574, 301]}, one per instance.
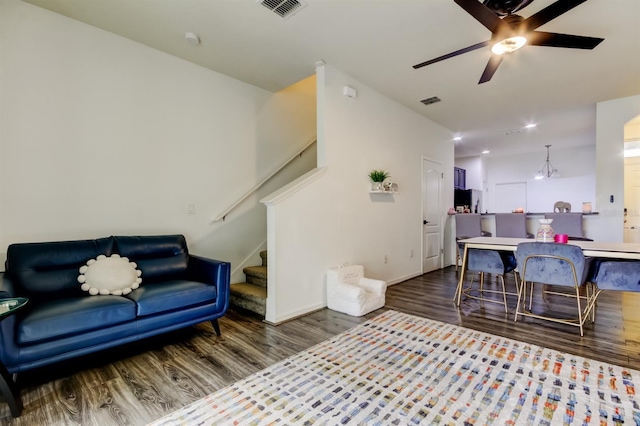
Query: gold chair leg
{"type": "Point", "coordinates": [531, 296]}
{"type": "Point", "coordinates": [579, 310]}
{"type": "Point", "coordinates": [521, 291]}
{"type": "Point", "coordinates": [504, 294]}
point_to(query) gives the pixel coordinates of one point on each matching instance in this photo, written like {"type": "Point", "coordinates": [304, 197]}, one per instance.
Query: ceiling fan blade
{"type": "Point", "coordinates": [541, 38]}
{"type": "Point", "coordinates": [550, 12]}
{"type": "Point", "coordinates": [491, 68]}
{"type": "Point", "coordinates": [482, 14]}
{"type": "Point", "coordinates": [452, 54]}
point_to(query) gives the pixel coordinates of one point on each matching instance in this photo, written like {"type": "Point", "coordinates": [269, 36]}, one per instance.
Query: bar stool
{"type": "Point", "coordinates": [567, 223]}
{"type": "Point", "coordinates": [512, 225]}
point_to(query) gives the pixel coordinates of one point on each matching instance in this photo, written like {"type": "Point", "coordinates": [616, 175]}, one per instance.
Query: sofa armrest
{"type": "Point", "coordinates": [213, 272]}
{"type": "Point", "coordinates": [346, 291]}
{"type": "Point", "coordinates": [6, 286]}
{"type": "Point", "coordinates": [374, 286]}
{"type": "Point", "coordinates": [8, 348]}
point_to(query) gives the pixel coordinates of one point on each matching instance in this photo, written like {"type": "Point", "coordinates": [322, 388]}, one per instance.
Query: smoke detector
{"type": "Point", "coordinates": [192, 38]}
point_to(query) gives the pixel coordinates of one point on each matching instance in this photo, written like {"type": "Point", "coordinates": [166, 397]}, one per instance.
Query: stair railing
{"type": "Point", "coordinates": [222, 216]}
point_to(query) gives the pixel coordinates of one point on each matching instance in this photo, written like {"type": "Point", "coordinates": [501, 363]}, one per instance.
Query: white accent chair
{"type": "Point", "coordinates": [348, 291]}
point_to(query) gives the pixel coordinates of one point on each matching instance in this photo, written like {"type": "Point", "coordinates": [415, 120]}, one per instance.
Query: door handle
{"type": "Point", "coordinates": [424, 222]}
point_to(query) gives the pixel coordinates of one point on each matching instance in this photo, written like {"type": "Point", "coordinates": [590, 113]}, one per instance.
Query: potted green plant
{"type": "Point", "coordinates": [378, 176]}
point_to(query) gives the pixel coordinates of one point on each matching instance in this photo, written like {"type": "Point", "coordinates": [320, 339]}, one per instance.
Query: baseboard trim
{"type": "Point", "coordinates": [405, 278]}
{"type": "Point", "coordinates": [295, 316]}
{"type": "Point", "coordinates": [319, 308]}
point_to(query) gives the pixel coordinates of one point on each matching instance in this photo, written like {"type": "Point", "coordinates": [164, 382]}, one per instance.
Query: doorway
{"type": "Point", "coordinates": [432, 217]}
{"type": "Point", "coordinates": [632, 181]}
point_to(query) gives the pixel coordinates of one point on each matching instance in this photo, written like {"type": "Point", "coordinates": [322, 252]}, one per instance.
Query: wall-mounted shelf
{"type": "Point", "coordinates": [392, 188]}
{"type": "Point", "coordinates": [379, 191]}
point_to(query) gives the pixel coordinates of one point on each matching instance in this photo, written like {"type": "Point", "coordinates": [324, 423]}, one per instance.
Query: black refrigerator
{"type": "Point", "coordinates": [472, 198]}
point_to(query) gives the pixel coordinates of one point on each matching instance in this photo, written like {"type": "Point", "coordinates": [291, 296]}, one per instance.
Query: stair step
{"type": "Point", "coordinates": [249, 296]}
{"type": "Point", "coordinates": [263, 255]}
{"type": "Point", "coordinates": [256, 275]}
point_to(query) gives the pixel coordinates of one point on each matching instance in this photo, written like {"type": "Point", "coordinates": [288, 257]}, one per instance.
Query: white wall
{"type": "Point", "coordinates": [475, 171]}
{"type": "Point", "coordinates": [333, 219]}
{"type": "Point", "coordinates": [611, 119]}
{"type": "Point", "coordinates": [575, 184]}
{"type": "Point", "coordinates": [100, 135]}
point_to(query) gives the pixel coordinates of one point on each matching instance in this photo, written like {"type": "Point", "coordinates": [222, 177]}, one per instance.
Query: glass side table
{"type": "Point", "coordinates": [8, 387]}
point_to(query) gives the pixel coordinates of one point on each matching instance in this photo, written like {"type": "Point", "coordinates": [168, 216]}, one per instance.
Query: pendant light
{"type": "Point", "coordinates": [547, 169]}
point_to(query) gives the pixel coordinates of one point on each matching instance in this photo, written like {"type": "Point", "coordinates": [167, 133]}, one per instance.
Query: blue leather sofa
{"type": "Point", "coordinates": [61, 321]}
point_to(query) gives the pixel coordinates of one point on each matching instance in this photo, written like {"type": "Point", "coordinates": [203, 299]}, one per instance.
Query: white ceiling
{"type": "Point", "coordinates": [378, 41]}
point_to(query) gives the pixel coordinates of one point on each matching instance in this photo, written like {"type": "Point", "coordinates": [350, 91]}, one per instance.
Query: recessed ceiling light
{"type": "Point", "coordinates": [486, 151]}
{"type": "Point", "coordinates": [530, 126]}
{"type": "Point", "coordinates": [457, 138]}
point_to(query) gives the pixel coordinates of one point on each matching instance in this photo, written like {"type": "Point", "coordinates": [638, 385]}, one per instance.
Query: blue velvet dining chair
{"type": "Point", "coordinates": [468, 225]}
{"type": "Point", "coordinates": [498, 263]}
{"type": "Point", "coordinates": [618, 275]}
{"type": "Point", "coordinates": [562, 265]}
{"type": "Point", "coordinates": [615, 275]}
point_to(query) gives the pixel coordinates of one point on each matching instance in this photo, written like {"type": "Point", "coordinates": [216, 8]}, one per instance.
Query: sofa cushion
{"type": "Point", "coordinates": [160, 258]}
{"type": "Point", "coordinates": [171, 295]}
{"type": "Point", "coordinates": [62, 317]}
{"type": "Point", "coordinates": [109, 275]}
{"type": "Point", "coordinates": [45, 270]}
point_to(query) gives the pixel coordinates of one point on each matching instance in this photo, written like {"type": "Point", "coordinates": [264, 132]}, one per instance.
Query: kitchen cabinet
{"type": "Point", "coordinates": [459, 178]}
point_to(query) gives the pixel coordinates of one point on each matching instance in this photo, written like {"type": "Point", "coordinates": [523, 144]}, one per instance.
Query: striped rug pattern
{"type": "Point", "coordinates": [399, 369]}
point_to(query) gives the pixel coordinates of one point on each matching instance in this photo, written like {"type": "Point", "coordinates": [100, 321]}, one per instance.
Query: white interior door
{"type": "Point", "coordinates": [432, 216]}
{"type": "Point", "coordinates": [509, 196]}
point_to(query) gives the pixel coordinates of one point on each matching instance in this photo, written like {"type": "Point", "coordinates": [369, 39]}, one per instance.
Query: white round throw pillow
{"type": "Point", "coordinates": [109, 275]}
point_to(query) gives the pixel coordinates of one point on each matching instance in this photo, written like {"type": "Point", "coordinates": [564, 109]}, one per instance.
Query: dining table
{"type": "Point", "coordinates": [596, 249]}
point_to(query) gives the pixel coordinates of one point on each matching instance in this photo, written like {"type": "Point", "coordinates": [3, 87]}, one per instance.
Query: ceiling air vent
{"type": "Point", "coordinates": [512, 132]}
{"type": "Point", "coordinates": [431, 100]}
{"type": "Point", "coordinates": [284, 8]}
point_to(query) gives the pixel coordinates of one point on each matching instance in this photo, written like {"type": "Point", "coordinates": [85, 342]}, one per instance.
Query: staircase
{"type": "Point", "coordinates": [252, 295]}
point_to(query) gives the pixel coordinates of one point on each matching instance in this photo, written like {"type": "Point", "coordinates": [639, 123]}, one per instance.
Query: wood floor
{"type": "Point", "coordinates": [138, 383]}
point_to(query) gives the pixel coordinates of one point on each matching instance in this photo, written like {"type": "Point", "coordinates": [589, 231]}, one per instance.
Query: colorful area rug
{"type": "Point", "coordinates": [399, 369]}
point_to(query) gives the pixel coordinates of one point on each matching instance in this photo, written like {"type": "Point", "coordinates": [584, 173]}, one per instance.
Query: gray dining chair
{"type": "Point", "coordinates": [512, 225]}
{"type": "Point", "coordinates": [562, 265]}
{"type": "Point", "coordinates": [468, 225]}
{"type": "Point", "coordinates": [567, 223]}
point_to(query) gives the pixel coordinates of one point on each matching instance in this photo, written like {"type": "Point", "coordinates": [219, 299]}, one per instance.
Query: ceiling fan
{"type": "Point", "coordinates": [512, 32]}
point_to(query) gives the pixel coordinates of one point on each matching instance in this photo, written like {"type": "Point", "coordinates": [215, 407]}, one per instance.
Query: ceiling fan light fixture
{"type": "Point", "coordinates": [508, 45]}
